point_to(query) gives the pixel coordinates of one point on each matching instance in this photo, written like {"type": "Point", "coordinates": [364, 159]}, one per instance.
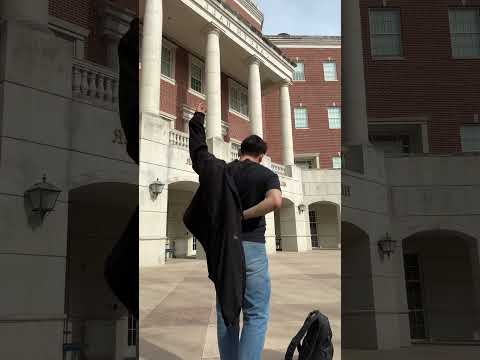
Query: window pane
{"type": "Point", "coordinates": [465, 32]}
{"type": "Point", "coordinates": [385, 32]}
{"type": "Point", "coordinates": [239, 98]}
{"type": "Point", "coordinates": [197, 76]}
{"type": "Point", "coordinates": [337, 162]}
{"type": "Point", "coordinates": [470, 138]}
{"type": "Point", "coordinates": [334, 118]}
{"type": "Point", "coordinates": [166, 62]}
{"type": "Point", "coordinates": [299, 72]}
{"type": "Point", "coordinates": [301, 118]}
{"type": "Point", "coordinates": [330, 71]}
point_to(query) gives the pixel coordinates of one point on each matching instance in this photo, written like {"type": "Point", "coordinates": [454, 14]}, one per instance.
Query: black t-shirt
{"type": "Point", "coordinates": [253, 181]}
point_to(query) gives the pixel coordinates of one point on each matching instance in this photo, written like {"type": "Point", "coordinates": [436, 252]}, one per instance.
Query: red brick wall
{"type": "Point", "coordinates": [245, 15]}
{"type": "Point", "coordinates": [428, 82]}
{"type": "Point", "coordinates": [173, 97]}
{"type": "Point", "coordinates": [84, 13]}
{"type": "Point", "coordinates": [316, 95]}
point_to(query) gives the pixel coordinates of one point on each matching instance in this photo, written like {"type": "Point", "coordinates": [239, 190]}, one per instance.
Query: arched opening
{"type": "Point", "coordinates": [286, 227]}
{"type": "Point", "coordinates": [441, 280]}
{"type": "Point", "coordinates": [97, 322]}
{"type": "Point", "coordinates": [324, 225]}
{"type": "Point", "coordinates": [181, 243]}
{"type": "Point", "coordinates": [358, 311]}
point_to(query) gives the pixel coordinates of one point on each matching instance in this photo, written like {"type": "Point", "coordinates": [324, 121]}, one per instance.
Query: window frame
{"type": "Point", "coordinates": [401, 55]}
{"type": "Point", "coordinates": [464, 8]}
{"type": "Point", "coordinates": [463, 128]}
{"type": "Point", "coordinates": [173, 49]}
{"type": "Point", "coordinates": [199, 63]}
{"type": "Point", "coordinates": [333, 162]}
{"type": "Point", "coordinates": [295, 117]}
{"type": "Point", "coordinates": [243, 91]}
{"type": "Point", "coordinates": [334, 62]}
{"type": "Point", "coordinates": [330, 120]}
{"type": "Point", "coordinates": [295, 72]}
{"type": "Point", "coordinates": [132, 331]}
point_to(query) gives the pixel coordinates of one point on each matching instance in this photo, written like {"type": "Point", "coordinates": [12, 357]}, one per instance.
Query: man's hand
{"type": "Point", "coordinates": [201, 107]}
{"type": "Point", "coordinates": [272, 202]}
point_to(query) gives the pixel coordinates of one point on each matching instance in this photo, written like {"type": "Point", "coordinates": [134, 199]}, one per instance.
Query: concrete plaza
{"type": "Point", "coordinates": [177, 307]}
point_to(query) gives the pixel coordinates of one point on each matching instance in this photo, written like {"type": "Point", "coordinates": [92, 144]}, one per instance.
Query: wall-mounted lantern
{"type": "Point", "coordinates": [301, 208]}
{"type": "Point", "coordinates": [156, 188]}
{"type": "Point", "coordinates": [43, 197]}
{"type": "Point", "coordinates": [387, 245]}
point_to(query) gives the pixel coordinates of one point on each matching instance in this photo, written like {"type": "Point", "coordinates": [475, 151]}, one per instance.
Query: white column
{"type": "Point", "coordinates": [355, 128]}
{"type": "Point", "coordinates": [151, 57]}
{"type": "Point", "coordinates": [286, 120]}
{"type": "Point", "coordinates": [255, 97]}
{"type": "Point", "coordinates": [32, 11]}
{"type": "Point", "coordinates": [213, 84]}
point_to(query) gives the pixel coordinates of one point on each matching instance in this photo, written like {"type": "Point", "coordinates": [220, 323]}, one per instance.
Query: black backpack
{"type": "Point", "coordinates": [317, 339]}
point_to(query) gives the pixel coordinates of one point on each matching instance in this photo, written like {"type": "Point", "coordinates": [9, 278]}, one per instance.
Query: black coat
{"type": "Point", "coordinates": [121, 266]}
{"type": "Point", "coordinates": [214, 218]}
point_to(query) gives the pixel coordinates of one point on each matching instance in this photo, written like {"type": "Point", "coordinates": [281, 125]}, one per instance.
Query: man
{"type": "Point", "coordinates": [259, 191]}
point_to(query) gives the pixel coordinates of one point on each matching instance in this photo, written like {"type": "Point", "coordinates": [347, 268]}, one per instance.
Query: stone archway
{"type": "Point", "coordinates": [179, 240]}
{"type": "Point", "coordinates": [324, 225]}
{"type": "Point", "coordinates": [359, 329]}
{"type": "Point", "coordinates": [97, 216]}
{"type": "Point", "coordinates": [442, 286]}
{"type": "Point", "coordinates": [286, 227]}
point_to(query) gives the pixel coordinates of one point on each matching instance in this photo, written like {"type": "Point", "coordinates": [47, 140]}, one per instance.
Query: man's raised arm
{"type": "Point", "coordinates": [198, 140]}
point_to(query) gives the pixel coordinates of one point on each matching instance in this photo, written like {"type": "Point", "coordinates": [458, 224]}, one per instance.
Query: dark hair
{"type": "Point", "coordinates": [253, 145]}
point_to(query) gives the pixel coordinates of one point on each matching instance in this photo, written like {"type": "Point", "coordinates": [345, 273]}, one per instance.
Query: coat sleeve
{"type": "Point", "coordinates": [198, 144]}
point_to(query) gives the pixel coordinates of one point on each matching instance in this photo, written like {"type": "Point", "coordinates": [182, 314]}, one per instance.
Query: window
{"type": "Point", "coordinates": [301, 118]}
{"type": "Point", "coordinates": [168, 62]}
{"type": "Point", "coordinates": [304, 164]}
{"type": "Point", "coordinates": [334, 118]}
{"type": "Point", "coordinates": [132, 330]}
{"type": "Point", "coordinates": [465, 32]}
{"type": "Point", "coordinates": [238, 98]}
{"type": "Point", "coordinates": [385, 32]}
{"type": "Point", "coordinates": [299, 73]}
{"type": "Point", "coordinates": [330, 71]}
{"type": "Point", "coordinates": [336, 162]}
{"type": "Point", "coordinates": [194, 244]}
{"type": "Point", "coordinates": [470, 137]}
{"type": "Point", "coordinates": [197, 71]}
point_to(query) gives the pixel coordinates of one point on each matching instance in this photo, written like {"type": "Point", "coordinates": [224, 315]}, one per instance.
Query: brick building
{"type": "Point", "coordinates": [422, 92]}
{"type": "Point", "coordinates": [410, 182]}
{"type": "Point", "coordinates": [192, 50]}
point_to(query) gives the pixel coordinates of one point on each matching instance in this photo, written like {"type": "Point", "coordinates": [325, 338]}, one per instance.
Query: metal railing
{"type": "Point", "coordinates": [235, 151]}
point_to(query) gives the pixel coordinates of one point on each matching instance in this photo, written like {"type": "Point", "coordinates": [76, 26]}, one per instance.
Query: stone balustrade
{"type": "Point", "coordinates": [94, 84]}
{"type": "Point", "coordinates": [235, 151]}
{"type": "Point", "coordinates": [279, 169]}
{"type": "Point", "coordinates": [179, 138]}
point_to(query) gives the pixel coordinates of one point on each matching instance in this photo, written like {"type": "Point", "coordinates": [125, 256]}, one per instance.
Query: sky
{"type": "Point", "coordinates": [301, 17]}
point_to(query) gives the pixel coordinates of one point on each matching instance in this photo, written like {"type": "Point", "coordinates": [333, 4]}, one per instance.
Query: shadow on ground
{"type": "Point", "coordinates": [149, 351]}
{"type": "Point", "coordinates": [274, 355]}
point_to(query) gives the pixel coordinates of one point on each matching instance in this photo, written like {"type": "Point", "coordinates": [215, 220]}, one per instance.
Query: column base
{"type": "Point", "coordinates": [151, 252]}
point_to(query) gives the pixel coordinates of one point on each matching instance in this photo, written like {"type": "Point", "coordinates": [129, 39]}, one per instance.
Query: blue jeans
{"type": "Point", "coordinates": [255, 309]}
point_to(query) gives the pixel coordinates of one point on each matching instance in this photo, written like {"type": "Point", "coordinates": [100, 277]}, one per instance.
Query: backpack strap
{"type": "Point", "coordinates": [295, 343]}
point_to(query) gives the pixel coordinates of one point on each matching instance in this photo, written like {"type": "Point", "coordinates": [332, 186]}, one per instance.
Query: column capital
{"type": "Point", "coordinates": [286, 82]}
{"type": "Point", "coordinates": [253, 60]}
{"type": "Point", "coordinates": [212, 28]}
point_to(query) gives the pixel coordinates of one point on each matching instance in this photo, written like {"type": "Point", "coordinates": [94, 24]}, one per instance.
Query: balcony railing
{"type": "Point", "coordinates": [94, 84]}
{"type": "Point", "coordinates": [279, 169]}
{"type": "Point", "coordinates": [235, 151]}
{"type": "Point", "coordinates": [179, 138]}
